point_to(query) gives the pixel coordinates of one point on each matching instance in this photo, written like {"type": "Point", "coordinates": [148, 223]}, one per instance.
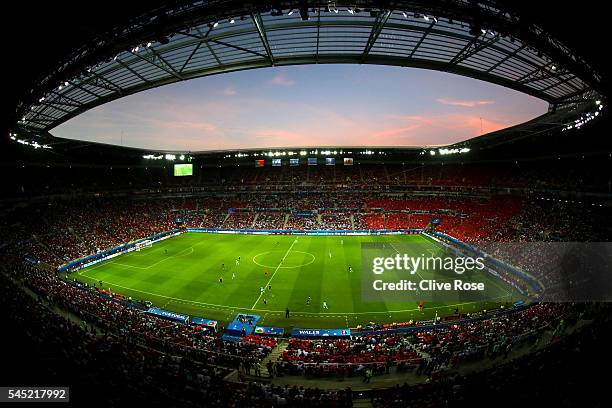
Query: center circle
{"type": "Point", "coordinates": [272, 259]}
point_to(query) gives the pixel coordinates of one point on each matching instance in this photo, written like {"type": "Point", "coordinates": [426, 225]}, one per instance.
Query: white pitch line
{"type": "Point", "coordinates": [398, 252]}
{"type": "Point", "coordinates": [491, 280]}
{"type": "Point", "coordinates": [231, 309]}
{"type": "Point", "coordinates": [160, 261]}
{"type": "Point", "coordinates": [273, 273]}
{"type": "Point", "coordinates": [109, 262]}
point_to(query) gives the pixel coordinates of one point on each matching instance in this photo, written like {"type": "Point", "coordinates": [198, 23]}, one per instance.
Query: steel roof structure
{"type": "Point", "coordinates": [193, 39]}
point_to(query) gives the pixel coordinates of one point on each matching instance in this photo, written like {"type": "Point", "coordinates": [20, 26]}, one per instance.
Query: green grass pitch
{"type": "Point", "coordinates": [182, 274]}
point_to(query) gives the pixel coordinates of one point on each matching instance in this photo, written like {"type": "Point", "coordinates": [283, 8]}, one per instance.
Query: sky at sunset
{"type": "Point", "coordinates": [313, 105]}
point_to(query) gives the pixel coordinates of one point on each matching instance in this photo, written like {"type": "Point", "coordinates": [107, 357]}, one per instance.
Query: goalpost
{"type": "Point", "coordinates": [144, 244]}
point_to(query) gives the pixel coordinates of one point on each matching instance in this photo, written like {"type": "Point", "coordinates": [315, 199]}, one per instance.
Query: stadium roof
{"type": "Point", "coordinates": [192, 39]}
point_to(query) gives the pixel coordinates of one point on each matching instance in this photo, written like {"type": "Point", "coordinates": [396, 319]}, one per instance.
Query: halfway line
{"type": "Point", "coordinates": [273, 273]}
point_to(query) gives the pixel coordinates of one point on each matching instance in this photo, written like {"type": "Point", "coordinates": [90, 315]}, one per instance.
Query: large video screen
{"type": "Point", "coordinates": [183, 169]}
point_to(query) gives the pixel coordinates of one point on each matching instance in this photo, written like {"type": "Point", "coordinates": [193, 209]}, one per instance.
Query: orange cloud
{"type": "Point", "coordinates": [464, 102]}
{"type": "Point", "coordinates": [206, 122]}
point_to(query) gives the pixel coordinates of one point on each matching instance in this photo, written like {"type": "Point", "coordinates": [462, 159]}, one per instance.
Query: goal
{"type": "Point", "coordinates": [144, 244]}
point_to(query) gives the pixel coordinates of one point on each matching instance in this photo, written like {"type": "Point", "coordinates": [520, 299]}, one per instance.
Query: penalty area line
{"type": "Point", "coordinates": [274, 273]}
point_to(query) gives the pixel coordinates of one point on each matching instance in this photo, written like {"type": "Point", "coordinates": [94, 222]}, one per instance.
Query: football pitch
{"type": "Point", "coordinates": [183, 274]}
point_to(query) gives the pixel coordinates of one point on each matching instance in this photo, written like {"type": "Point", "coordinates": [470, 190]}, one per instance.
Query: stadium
{"type": "Point", "coordinates": [303, 203]}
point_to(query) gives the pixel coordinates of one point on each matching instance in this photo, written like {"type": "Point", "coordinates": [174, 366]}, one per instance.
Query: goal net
{"type": "Point", "coordinates": [144, 244]}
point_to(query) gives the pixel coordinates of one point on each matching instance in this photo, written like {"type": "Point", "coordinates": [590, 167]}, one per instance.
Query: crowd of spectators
{"type": "Point", "coordinates": [425, 350]}
{"type": "Point", "coordinates": [336, 220]}
{"type": "Point", "coordinates": [122, 316]}
{"type": "Point", "coordinates": [301, 222]}
{"type": "Point", "coordinates": [129, 372]}
{"type": "Point", "coordinates": [60, 231]}
{"type": "Point", "coordinates": [109, 368]}
{"type": "Point", "coordinates": [455, 343]}
{"type": "Point", "coordinates": [575, 174]}
{"type": "Point", "coordinates": [240, 220]}
{"type": "Point", "coordinates": [559, 374]}
{"type": "Point", "coordinates": [73, 229]}
{"type": "Point", "coordinates": [270, 220]}
{"type": "Point", "coordinates": [367, 349]}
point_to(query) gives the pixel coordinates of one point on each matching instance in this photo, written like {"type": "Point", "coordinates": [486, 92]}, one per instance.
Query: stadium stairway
{"type": "Point", "coordinates": [254, 220]}
{"type": "Point", "coordinates": [422, 354]}
{"type": "Point", "coordinates": [39, 241]}
{"type": "Point", "coordinates": [280, 348]}
{"type": "Point", "coordinates": [74, 234]}
{"type": "Point", "coordinates": [225, 220]}
{"type": "Point", "coordinates": [362, 403]}
{"type": "Point", "coordinates": [387, 176]}
{"type": "Point", "coordinates": [286, 220]}
{"type": "Point", "coordinates": [264, 376]}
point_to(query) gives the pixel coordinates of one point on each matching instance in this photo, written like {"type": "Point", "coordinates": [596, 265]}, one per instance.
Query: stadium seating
{"type": "Point", "coordinates": [40, 237]}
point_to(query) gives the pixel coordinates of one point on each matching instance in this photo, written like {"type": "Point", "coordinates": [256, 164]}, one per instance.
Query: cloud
{"type": "Point", "coordinates": [229, 91]}
{"type": "Point", "coordinates": [464, 102]}
{"type": "Point", "coordinates": [245, 123]}
{"type": "Point", "coordinates": [282, 80]}
{"type": "Point", "coordinates": [193, 118]}
{"type": "Point", "coordinates": [430, 130]}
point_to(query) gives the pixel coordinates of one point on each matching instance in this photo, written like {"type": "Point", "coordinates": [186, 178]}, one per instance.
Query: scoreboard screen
{"type": "Point", "coordinates": [183, 169]}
